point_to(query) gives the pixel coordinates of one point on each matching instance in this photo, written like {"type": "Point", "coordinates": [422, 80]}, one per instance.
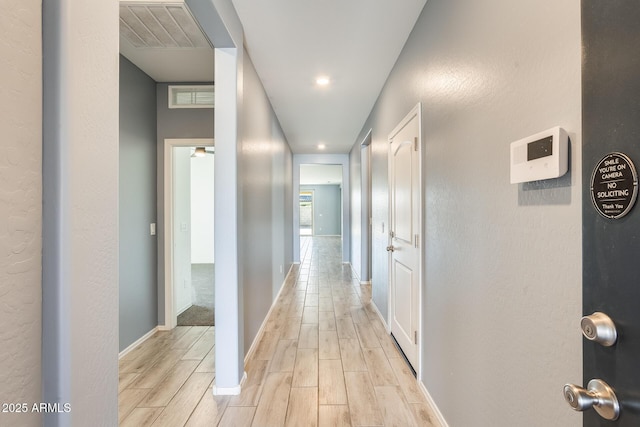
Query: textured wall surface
{"type": "Point", "coordinates": [137, 204]}
{"type": "Point", "coordinates": [80, 227]}
{"type": "Point", "coordinates": [265, 164]}
{"type": "Point", "coordinates": [502, 285]}
{"type": "Point", "coordinates": [20, 207]}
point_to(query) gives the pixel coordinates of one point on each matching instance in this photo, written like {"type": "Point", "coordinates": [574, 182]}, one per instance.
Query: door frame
{"type": "Point", "coordinates": [322, 159]}
{"type": "Point", "coordinates": [170, 309]}
{"type": "Point", "coordinates": [366, 219]}
{"type": "Point", "coordinates": [415, 112]}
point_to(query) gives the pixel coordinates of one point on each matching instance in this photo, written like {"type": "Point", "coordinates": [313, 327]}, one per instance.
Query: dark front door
{"type": "Point", "coordinates": [611, 247]}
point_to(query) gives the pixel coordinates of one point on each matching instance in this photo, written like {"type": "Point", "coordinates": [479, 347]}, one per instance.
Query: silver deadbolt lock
{"type": "Point", "coordinates": [599, 327]}
{"type": "Point", "coordinates": [598, 396]}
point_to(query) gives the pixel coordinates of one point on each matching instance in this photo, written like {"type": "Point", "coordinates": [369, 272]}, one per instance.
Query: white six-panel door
{"type": "Point", "coordinates": [404, 234]}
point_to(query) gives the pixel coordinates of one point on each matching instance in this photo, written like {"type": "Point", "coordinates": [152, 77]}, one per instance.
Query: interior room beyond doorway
{"type": "Point", "coordinates": [192, 234]}
{"type": "Point", "coordinates": [320, 200]}
{"type": "Point", "coordinates": [195, 294]}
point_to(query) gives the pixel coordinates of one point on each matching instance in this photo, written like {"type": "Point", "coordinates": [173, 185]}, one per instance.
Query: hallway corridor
{"type": "Point", "coordinates": [324, 359]}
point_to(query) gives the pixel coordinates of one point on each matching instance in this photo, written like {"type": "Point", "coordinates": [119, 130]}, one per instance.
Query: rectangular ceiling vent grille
{"type": "Point", "coordinates": [201, 96]}
{"type": "Point", "coordinates": [156, 25]}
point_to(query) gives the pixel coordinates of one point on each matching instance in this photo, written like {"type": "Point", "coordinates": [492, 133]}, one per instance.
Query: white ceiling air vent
{"type": "Point", "coordinates": [160, 25]}
{"type": "Point", "coordinates": [200, 96]}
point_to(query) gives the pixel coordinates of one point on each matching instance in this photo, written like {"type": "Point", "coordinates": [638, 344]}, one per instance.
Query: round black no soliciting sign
{"type": "Point", "coordinates": [614, 185]}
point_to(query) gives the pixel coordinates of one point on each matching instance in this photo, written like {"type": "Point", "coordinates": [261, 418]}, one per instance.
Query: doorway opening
{"type": "Point", "coordinates": [319, 173]}
{"type": "Point", "coordinates": [366, 220]}
{"type": "Point", "coordinates": [306, 213]}
{"type": "Point", "coordinates": [320, 203]}
{"type": "Point", "coordinates": [320, 200]}
{"type": "Point", "coordinates": [189, 231]}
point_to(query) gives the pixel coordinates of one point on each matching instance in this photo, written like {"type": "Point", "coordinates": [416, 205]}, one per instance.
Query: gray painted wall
{"type": "Point", "coordinates": [21, 209]}
{"type": "Point", "coordinates": [137, 204]}
{"type": "Point", "coordinates": [327, 209]}
{"type": "Point", "coordinates": [502, 284]}
{"type": "Point", "coordinates": [266, 181]}
{"type": "Point", "coordinates": [174, 123]}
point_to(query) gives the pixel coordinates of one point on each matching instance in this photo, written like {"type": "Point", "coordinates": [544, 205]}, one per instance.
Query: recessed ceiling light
{"type": "Point", "coordinates": [322, 81]}
{"type": "Point", "coordinates": [321, 146]}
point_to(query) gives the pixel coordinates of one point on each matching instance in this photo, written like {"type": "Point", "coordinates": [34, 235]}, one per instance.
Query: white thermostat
{"type": "Point", "coordinates": [541, 156]}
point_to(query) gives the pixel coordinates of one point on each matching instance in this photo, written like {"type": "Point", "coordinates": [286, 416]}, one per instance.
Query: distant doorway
{"type": "Point", "coordinates": [306, 213]}
{"type": "Point", "coordinates": [189, 225]}
{"type": "Point", "coordinates": [320, 200]}
{"type": "Point", "coordinates": [337, 219]}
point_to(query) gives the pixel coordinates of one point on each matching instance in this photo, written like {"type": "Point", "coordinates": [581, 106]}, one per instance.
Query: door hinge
{"type": "Point", "coordinates": [415, 337]}
{"type": "Point", "coordinates": [415, 144]}
{"type": "Point", "coordinates": [392, 234]}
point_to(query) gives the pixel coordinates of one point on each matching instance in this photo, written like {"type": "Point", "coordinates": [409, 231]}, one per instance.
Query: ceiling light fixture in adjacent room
{"type": "Point", "coordinates": [321, 146]}
{"type": "Point", "coordinates": [200, 152]}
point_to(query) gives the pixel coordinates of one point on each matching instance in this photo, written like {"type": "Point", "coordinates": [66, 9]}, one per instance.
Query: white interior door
{"type": "Point", "coordinates": [404, 234]}
{"type": "Point", "coordinates": [182, 229]}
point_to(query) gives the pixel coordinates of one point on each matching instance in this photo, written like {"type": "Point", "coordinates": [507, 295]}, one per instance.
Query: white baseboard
{"type": "Point", "coordinates": [357, 275]}
{"type": "Point", "coordinates": [229, 391]}
{"type": "Point", "coordinates": [353, 270]}
{"type": "Point", "coordinates": [421, 386]}
{"type": "Point", "coordinates": [382, 319]}
{"type": "Point", "coordinates": [138, 342]}
{"type": "Point", "coordinates": [163, 328]}
{"type": "Point", "coordinates": [290, 268]}
{"type": "Point", "coordinates": [256, 340]}
{"type": "Point", "coordinates": [432, 405]}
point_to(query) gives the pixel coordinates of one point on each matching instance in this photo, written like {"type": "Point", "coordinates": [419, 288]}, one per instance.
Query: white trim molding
{"type": "Point", "coordinates": [229, 391]}
{"type": "Point", "coordinates": [138, 342]}
{"type": "Point", "coordinates": [256, 340]}
{"type": "Point", "coordinates": [382, 319]}
{"type": "Point", "coordinates": [432, 405]}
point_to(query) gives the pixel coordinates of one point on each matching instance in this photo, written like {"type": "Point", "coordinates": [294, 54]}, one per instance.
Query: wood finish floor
{"type": "Point", "coordinates": [325, 359]}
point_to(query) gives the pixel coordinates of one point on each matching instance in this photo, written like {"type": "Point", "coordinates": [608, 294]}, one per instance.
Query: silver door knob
{"type": "Point", "coordinates": [390, 248]}
{"type": "Point", "coordinates": [599, 327]}
{"type": "Point", "coordinates": [598, 396]}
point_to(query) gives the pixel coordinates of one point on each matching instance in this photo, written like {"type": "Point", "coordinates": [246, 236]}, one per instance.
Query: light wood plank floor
{"type": "Point", "coordinates": [325, 359]}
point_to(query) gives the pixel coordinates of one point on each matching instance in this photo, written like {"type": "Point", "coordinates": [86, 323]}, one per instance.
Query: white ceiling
{"type": "Point", "coordinates": [291, 42]}
{"type": "Point", "coordinates": [354, 42]}
{"type": "Point", "coordinates": [320, 174]}
{"type": "Point", "coordinates": [172, 65]}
